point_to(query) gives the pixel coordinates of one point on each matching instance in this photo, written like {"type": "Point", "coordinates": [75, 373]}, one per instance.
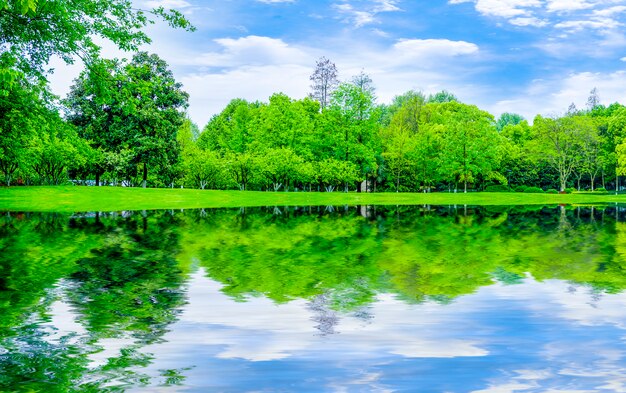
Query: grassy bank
{"type": "Point", "coordinates": [69, 199]}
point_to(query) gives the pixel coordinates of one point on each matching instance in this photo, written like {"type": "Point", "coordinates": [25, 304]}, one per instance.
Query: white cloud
{"type": "Point", "coordinates": [553, 96]}
{"type": "Point", "coordinates": [255, 67]}
{"type": "Point", "coordinates": [253, 50]}
{"type": "Point", "coordinates": [272, 332]}
{"type": "Point", "coordinates": [385, 6]}
{"type": "Point", "coordinates": [528, 21]}
{"type": "Point", "coordinates": [593, 24]}
{"type": "Point", "coordinates": [366, 14]}
{"type": "Point", "coordinates": [430, 48]}
{"type": "Point", "coordinates": [610, 11]}
{"type": "Point", "coordinates": [577, 306]}
{"type": "Point", "coordinates": [574, 15]}
{"type": "Point", "coordinates": [568, 5]}
{"type": "Point", "coordinates": [210, 92]}
{"type": "Point", "coordinates": [507, 8]}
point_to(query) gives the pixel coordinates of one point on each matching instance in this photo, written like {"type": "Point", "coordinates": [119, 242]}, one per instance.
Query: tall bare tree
{"type": "Point", "coordinates": [324, 80]}
{"type": "Point", "coordinates": [593, 100]}
{"type": "Point", "coordinates": [365, 83]}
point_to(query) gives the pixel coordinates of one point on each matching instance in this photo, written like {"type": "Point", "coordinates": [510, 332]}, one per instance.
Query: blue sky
{"type": "Point", "coordinates": [524, 56]}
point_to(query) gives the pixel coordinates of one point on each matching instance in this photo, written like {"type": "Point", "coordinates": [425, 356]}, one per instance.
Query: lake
{"type": "Point", "coordinates": [367, 298]}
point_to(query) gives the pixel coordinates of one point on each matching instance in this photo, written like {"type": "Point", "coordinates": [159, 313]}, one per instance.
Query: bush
{"type": "Point", "coordinates": [552, 191]}
{"type": "Point", "coordinates": [600, 189]}
{"type": "Point", "coordinates": [497, 188]}
{"type": "Point", "coordinates": [569, 190]}
{"type": "Point", "coordinates": [533, 190]}
{"type": "Point", "coordinates": [520, 189]}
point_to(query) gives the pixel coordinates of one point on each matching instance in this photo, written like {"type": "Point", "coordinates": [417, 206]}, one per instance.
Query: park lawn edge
{"type": "Point", "coordinates": [84, 199]}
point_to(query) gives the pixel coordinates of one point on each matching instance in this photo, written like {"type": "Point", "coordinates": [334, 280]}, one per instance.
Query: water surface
{"type": "Point", "coordinates": [428, 299]}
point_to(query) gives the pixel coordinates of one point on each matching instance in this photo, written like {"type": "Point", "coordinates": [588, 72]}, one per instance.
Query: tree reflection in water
{"type": "Point", "coordinates": [122, 276]}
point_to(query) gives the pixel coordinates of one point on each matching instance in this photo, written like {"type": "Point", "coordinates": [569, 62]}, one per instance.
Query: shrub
{"type": "Point", "coordinates": [520, 189]}
{"type": "Point", "coordinates": [569, 190]}
{"type": "Point", "coordinates": [600, 189]}
{"type": "Point", "coordinates": [497, 188]}
{"type": "Point", "coordinates": [552, 191]}
{"type": "Point", "coordinates": [533, 190]}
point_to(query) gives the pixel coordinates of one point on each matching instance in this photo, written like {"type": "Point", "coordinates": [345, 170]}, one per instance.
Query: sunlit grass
{"type": "Point", "coordinates": [76, 198]}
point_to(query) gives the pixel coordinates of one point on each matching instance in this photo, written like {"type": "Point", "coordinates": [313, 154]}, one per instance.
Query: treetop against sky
{"type": "Point", "coordinates": [524, 56]}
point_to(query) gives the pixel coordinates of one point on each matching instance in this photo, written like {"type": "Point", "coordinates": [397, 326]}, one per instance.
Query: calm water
{"type": "Point", "coordinates": [420, 299]}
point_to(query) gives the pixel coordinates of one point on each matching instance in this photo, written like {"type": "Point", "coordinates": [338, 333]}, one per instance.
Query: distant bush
{"type": "Point", "coordinates": [552, 191]}
{"type": "Point", "coordinates": [497, 188]}
{"type": "Point", "coordinates": [600, 189]}
{"type": "Point", "coordinates": [569, 190]}
{"type": "Point", "coordinates": [533, 190]}
{"type": "Point", "coordinates": [520, 189]}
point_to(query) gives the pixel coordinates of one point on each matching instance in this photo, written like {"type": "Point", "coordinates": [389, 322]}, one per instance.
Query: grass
{"type": "Point", "coordinates": [76, 198]}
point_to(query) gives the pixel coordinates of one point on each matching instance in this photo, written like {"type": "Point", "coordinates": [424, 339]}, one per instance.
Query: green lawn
{"type": "Point", "coordinates": [69, 199]}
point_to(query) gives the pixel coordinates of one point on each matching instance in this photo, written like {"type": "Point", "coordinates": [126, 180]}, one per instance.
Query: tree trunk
{"type": "Point", "coordinates": [593, 180]}
{"type": "Point", "coordinates": [465, 187]}
{"type": "Point", "coordinates": [145, 175]}
{"type": "Point", "coordinates": [358, 187]}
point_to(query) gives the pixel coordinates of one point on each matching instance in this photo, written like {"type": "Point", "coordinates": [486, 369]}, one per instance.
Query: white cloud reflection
{"type": "Point", "coordinates": [259, 330]}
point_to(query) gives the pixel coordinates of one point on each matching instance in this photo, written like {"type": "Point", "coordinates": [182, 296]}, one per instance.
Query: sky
{"type": "Point", "coordinates": [523, 56]}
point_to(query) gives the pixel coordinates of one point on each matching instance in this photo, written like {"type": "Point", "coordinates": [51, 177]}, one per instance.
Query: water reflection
{"type": "Point", "coordinates": [365, 298]}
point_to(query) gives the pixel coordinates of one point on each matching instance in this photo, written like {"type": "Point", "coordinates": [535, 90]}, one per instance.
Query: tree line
{"type": "Point", "coordinates": [124, 122]}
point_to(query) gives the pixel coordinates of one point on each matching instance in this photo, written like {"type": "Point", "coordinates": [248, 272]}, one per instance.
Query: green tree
{"type": "Point", "coordinates": [54, 152]}
{"type": "Point", "coordinates": [21, 110]}
{"type": "Point", "coordinates": [280, 167]}
{"type": "Point", "coordinates": [332, 173]}
{"type": "Point", "coordinates": [558, 142]}
{"type": "Point", "coordinates": [233, 129]}
{"type": "Point", "coordinates": [92, 106]}
{"type": "Point", "coordinates": [519, 164]}
{"type": "Point", "coordinates": [442, 97]}
{"type": "Point", "coordinates": [412, 142]}
{"type": "Point", "coordinates": [507, 119]}
{"type": "Point", "coordinates": [287, 123]}
{"type": "Point", "coordinates": [155, 103]}
{"type": "Point", "coordinates": [399, 155]}
{"type": "Point", "coordinates": [137, 106]}
{"type": "Point", "coordinates": [205, 169]}
{"type": "Point", "coordinates": [33, 31]}
{"type": "Point", "coordinates": [243, 168]}
{"type": "Point", "coordinates": [358, 128]}
{"type": "Point", "coordinates": [469, 143]}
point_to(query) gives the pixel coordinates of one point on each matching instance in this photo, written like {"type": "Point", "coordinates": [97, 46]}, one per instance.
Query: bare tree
{"type": "Point", "coordinates": [593, 99]}
{"type": "Point", "coordinates": [365, 83]}
{"type": "Point", "coordinates": [572, 110]}
{"type": "Point", "coordinates": [324, 81]}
